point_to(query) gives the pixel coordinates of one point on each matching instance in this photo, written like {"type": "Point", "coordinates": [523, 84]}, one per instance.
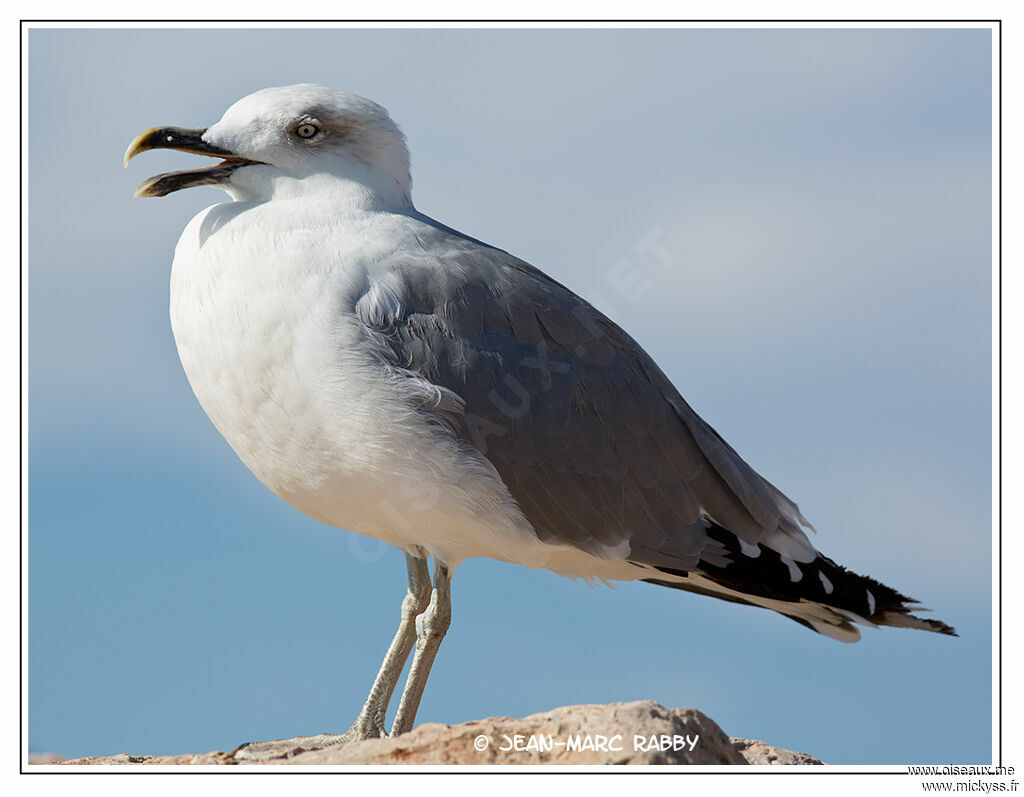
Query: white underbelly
{"type": "Point", "coordinates": [282, 369]}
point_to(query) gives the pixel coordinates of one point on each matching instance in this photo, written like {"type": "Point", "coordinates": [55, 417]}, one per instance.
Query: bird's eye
{"type": "Point", "coordinates": [306, 130]}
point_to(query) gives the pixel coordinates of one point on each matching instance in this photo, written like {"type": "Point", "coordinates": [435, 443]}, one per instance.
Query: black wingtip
{"type": "Point", "coordinates": [902, 618]}
{"type": "Point", "coordinates": [848, 597]}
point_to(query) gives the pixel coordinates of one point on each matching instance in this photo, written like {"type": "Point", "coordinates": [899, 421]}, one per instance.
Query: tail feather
{"type": "Point", "coordinates": [819, 594]}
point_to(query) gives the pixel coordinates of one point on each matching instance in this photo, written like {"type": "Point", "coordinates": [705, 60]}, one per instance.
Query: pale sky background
{"type": "Point", "coordinates": [820, 292]}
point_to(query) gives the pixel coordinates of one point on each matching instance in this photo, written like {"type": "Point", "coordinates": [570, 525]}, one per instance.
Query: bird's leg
{"type": "Point", "coordinates": [370, 722]}
{"type": "Point", "coordinates": [430, 630]}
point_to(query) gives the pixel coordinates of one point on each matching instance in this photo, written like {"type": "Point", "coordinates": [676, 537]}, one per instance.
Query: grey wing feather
{"type": "Point", "coordinates": [592, 440]}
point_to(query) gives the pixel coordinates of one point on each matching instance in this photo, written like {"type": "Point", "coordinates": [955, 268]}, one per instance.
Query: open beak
{"type": "Point", "coordinates": [186, 140]}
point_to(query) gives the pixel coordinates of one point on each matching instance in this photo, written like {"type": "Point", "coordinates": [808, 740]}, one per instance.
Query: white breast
{"type": "Point", "coordinates": [262, 309]}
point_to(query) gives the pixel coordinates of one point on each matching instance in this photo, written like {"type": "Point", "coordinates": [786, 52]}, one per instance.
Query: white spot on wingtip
{"type": "Point", "coordinates": [795, 573]}
{"type": "Point", "coordinates": [871, 602]}
{"type": "Point", "coordinates": [825, 583]}
{"type": "Point", "coordinates": [751, 549]}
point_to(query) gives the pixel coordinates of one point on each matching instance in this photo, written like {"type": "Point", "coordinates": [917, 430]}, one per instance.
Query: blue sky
{"type": "Point", "coordinates": [795, 224]}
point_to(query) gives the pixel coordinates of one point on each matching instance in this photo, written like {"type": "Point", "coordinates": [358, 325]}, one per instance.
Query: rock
{"type": "Point", "coordinates": [45, 758]}
{"type": "Point", "coordinates": [641, 732]}
{"type": "Point", "coordinates": [760, 753]}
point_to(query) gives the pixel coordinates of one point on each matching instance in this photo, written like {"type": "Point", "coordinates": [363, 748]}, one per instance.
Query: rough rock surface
{"type": "Point", "coordinates": [641, 732]}
{"type": "Point", "coordinates": [756, 752]}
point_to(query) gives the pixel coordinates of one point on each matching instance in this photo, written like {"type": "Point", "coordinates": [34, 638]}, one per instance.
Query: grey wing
{"type": "Point", "coordinates": [594, 443]}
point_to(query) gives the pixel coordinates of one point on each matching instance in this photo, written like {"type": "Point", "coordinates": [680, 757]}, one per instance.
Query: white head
{"type": "Point", "coordinates": [293, 141]}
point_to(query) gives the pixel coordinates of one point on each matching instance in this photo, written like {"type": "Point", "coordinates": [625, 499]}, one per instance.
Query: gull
{"type": "Point", "coordinates": [386, 374]}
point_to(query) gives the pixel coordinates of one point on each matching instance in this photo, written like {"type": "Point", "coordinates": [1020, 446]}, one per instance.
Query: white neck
{"type": "Point", "coordinates": [355, 186]}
